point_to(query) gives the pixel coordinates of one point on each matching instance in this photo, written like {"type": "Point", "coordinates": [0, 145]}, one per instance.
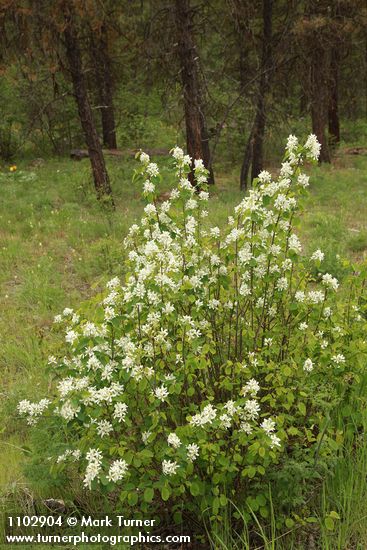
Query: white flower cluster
{"type": "Point", "coordinates": [75, 455]}
{"type": "Point", "coordinates": [94, 466]}
{"type": "Point", "coordinates": [33, 410]}
{"type": "Point", "coordinates": [169, 467]}
{"type": "Point", "coordinates": [117, 471]}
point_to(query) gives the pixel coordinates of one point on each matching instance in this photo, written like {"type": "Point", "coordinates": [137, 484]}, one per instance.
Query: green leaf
{"type": "Point", "coordinates": [287, 371]}
{"type": "Point", "coordinates": [264, 512]}
{"type": "Point", "coordinates": [262, 452]}
{"type": "Point", "coordinates": [311, 519]}
{"type": "Point", "coordinates": [148, 494]}
{"type": "Point", "coordinates": [334, 514]}
{"type": "Point", "coordinates": [132, 498]}
{"type": "Point", "coordinates": [165, 493]}
{"type": "Point", "coordinates": [195, 489]}
{"type": "Point", "coordinates": [251, 472]}
{"type": "Point", "coordinates": [302, 408]}
{"type": "Point", "coordinates": [329, 524]}
{"type": "Point", "coordinates": [223, 500]}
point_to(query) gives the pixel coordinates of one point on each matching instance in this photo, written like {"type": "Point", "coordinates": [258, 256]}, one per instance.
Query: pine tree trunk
{"type": "Point", "coordinates": [105, 90]}
{"type": "Point", "coordinates": [73, 54]}
{"type": "Point", "coordinates": [246, 164]}
{"type": "Point", "coordinates": [254, 153]}
{"type": "Point", "coordinates": [197, 140]}
{"type": "Point", "coordinates": [320, 99]}
{"type": "Point", "coordinates": [334, 125]}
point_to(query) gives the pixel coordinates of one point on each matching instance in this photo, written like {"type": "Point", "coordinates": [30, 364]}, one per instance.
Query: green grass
{"type": "Point", "coordinates": [58, 246]}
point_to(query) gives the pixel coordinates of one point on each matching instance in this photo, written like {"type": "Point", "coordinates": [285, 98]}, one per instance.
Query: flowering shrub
{"type": "Point", "coordinates": [211, 360]}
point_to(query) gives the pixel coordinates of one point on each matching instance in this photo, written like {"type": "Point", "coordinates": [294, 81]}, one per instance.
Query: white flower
{"type": "Point", "coordinates": [328, 312]}
{"type": "Point", "coordinates": [313, 146]}
{"type": "Point", "coordinates": [148, 187]}
{"type": "Point", "coordinates": [318, 255]}
{"type": "Point", "coordinates": [225, 421]}
{"type": "Point", "coordinates": [186, 161]}
{"type": "Point", "coordinates": [292, 143]}
{"type": "Point", "coordinates": [174, 440]}
{"type": "Point", "coordinates": [294, 244]}
{"type": "Point", "coordinates": [330, 282]}
{"type": "Point", "coordinates": [252, 387]}
{"type": "Point", "coordinates": [71, 336]}
{"type": "Point", "coordinates": [308, 365]}
{"type": "Point", "coordinates": [104, 428]}
{"type": "Point", "coordinates": [207, 416]}
{"type": "Point", "coordinates": [282, 284]}
{"type": "Point", "coordinates": [152, 169]}
{"type": "Point", "coordinates": [300, 296]}
{"type": "Point", "coordinates": [303, 180]}
{"type": "Point", "coordinates": [120, 411]}
{"type": "Point", "coordinates": [274, 441]}
{"type": "Point", "coordinates": [69, 384]}
{"type": "Point", "coordinates": [113, 283]}
{"type": "Point", "coordinates": [286, 170]}
{"type": "Point", "coordinates": [316, 296]}
{"type": "Point", "coordinates": [117, 470]}
{"type": "Point", "coordinates": [161, 393]}
{"type": "Point", "coordinates": [268, 425]}
{"type": "Point", "coordinates": [145, 436]}
{"type": "Point", "coordinates": [150, 210]}
{"type": "Point", "coordinates": [32, 410]}
{"type": "Point", "coordinates": [192, 452]}
{"type": "Point", "coordinates": [283, 203]}
{"type": "Point", "coordinates": [191, 204]}
{"type": "Point", "coordinates": [198, 164]}
{"type": "Point", "coordinates": [338, 359]}
{"type": "Point", "coordinates": [69, 453]}
{"type": "Point", "coordinates": [94, 457]}
{"type": "Point", "coordinates": [264, 176]}
{"type": "Point", "coordinates": [144, 158]}
{"type": "Point", "coordinates": [303, 326]}
{"type": "Point", "coordinates": [177, 153]}
{"type": "Point", "coordinates": [68, 411]}
{"type": "Point", "coordinates": [169, 467]}
{"type": "Point", "coordinates": [174, 194]}
{"type": "Point", "coordinates": [246, 428]}
{"type": "Point", "coordinates": [252, 409]}
{"type": "Point", "coordinates": [90, 329]}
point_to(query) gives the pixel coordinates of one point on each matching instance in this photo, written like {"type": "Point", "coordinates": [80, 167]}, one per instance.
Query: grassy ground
{"type": "Point", "coordinates": [57, 246]}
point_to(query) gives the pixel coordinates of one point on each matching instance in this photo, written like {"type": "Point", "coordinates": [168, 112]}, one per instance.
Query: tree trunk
{"type": "Point", "coordinates": [334, 126]}
{"type": "Point", "coordinates": [246, 164]}
{"type": "Point", "coordinates": [320, 99]}
{"type": "Point", "coordinates": [239, 12]}
{"type": "Point", "coordinates": [197, 140]}
{"type": "Point", "coordinates": [73, 54]}
{"type": "Point", "coordinates": [255, 146]}
{"type": "Point", "coordinates": [104, 82]}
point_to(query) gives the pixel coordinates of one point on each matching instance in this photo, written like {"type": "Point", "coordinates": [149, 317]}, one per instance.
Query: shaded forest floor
{"type": "Point", "coordinates": [57, 246]}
